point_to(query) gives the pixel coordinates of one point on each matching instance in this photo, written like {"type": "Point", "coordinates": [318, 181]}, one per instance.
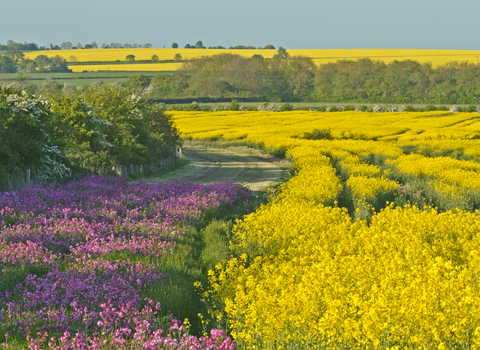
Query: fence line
{"type": "Point", "coordinates": [24, 179]}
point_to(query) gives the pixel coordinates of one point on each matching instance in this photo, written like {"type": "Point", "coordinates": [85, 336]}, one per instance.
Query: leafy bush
{"type": "Point", "coordinates": [233, 105]}
{"type": "Point", "coordinates": [194, 106]}
{"type": "Point", "coordinates": [316, 134]}
{"type": "Point", "coordinates": [471, 109]}
{"type": "Point", "coordinates": [410, 108]}
{"type": "Point", "coordinates": [430, 108]}
{"type": "Point", "coordinates": [287, 107]}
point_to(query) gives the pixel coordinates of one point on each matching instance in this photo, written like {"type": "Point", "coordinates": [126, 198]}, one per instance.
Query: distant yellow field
{"type": "Point", "coordinates": [436, 57]}
{"type": "Point", "coordinates": [102, 55]}
{"type": "Point", "coordinates": [140, 67]}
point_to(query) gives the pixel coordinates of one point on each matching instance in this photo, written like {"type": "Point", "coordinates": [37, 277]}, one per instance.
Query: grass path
{"type": "Point", "coordinates": [243, 165]}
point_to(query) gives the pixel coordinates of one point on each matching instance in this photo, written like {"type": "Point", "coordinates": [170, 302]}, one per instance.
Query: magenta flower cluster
{"type": "Point", "coordinates": [80, 298]}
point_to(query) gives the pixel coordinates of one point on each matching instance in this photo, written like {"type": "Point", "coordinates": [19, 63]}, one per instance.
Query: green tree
{"type": "Point", "coordinates": [281, 54]}
{"type": "Point", "coordinates": [242, 74]}
{"type": "Point", "coordinates": [73, 128]}
{"type": "Point", "coordinates": [58, 64]}
{"type": "Point", "coordinates": [300, 73]}
{"type": "Point", "coordinates": [162, 83]}
{"type": "Point", "coordinates": [154, 58]}
{"type": "Point", "coordinates": [177, 57]}
{"type": "Point", "coordinates": [162, 136]}
{"type": "Point", "coordinates": [7, 65]}
{"type": "Point", "coordinates": [124, 111]}
{"type": "Point", "coordinates": [174, 46]}
{"type": "Point", "coordinates": [130, 58]}
{"type": "Point", "coordinates": [20, 136]}
{"type": "Point", "coordinates": [274, 83]}
{"type": "Point", "coordinates": [137, 83]}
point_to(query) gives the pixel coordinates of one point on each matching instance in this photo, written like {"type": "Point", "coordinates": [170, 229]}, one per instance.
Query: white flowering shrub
{"type": "Point", "coordinates": [271, 107]}
{"type": "Point", "coordinates": [455, 109]}
{"type": "Point", "coordinates": [23, 117]}
{"type": "Point", "coordinates": [394, 109]}
{"type": "Point", "coordinates": [377, 109]}
{"type": "Point", "coordinates": [150, 89]}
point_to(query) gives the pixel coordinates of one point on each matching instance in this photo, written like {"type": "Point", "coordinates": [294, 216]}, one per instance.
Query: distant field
{"type": "Point", "coordinates": [86, 75]}
{"type": "Point", "coordinates": [78, 79]}
{"type": "Point", "coordinates": [101, 55]}
{"type": "Point", "coordinates": [436, 57]}
{"type": "Point", "coordinates": [140, 67]}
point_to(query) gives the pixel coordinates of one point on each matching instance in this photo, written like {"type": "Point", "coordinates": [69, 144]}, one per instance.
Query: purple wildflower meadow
{"type": "Point", "coordinates": [77, 297]}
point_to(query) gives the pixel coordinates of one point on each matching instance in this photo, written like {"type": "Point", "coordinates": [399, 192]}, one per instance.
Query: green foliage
{"type": "Point", "coordinates": [154, 58]}
{"type": "Point", "coordinates": [130, 58]}
{"type": "Point", "coordinates": [174, 46]}
{"type": "Point", "coordinates": [177, 57]}
{"type": "Point", "coordinates": [50, 86]}
{"type": "Point", "coordinates": [24, 141]}
{"type": "Point", "coordinates": [138, 83]}
{"type": "Point", "coordinates": [7, 65]}
{"type": "Point", "coordinates": [325, 134]}
{"type": "Point", "coordinates": [15, 55]}
{"type": "Point", "coordinates": [192, 107]}
{"type": "Point", "coordinates": [135, 136]}
{"type": "Point", "coordinates": [281, 54]}
{"type": "Point", "coordinates": [287, 107]}
{"type": "Point", "coordinates": [53, 64]}
{"type": "Point", "coordinates": [399, 82]}
{"type": "Point", "coordinates": [233, 105]}
{"type": "Point", "coordinates": [471, 109]}
{"type": "Point", "coordinates": [20, 138]}
{"type": "Point", "coordinates": [430, 108]}
{"type": "Point", "coordinates": [410, 108]}
{"type": "Point", "coordinates": [98, 128]}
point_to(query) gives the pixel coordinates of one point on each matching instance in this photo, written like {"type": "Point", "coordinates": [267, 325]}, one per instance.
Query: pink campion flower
{"type": "Point", "coordinates": [79, 223]}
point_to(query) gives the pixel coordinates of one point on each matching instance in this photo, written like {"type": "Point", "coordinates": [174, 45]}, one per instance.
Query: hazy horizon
{"type": "Point", "coordinates": [344, 24]}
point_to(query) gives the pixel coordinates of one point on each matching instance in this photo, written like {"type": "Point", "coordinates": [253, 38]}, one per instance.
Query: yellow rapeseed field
{"type": "Point", "coordinates": [141, 67]}
{"type": "Point", "coordinates": [340, 258]}
{"type": "Point", "coordinates": [401, 126]}
{"type": "Point", "coordinates": [319, 56]}
{"type": "Point", "coordinates": [103, 55]}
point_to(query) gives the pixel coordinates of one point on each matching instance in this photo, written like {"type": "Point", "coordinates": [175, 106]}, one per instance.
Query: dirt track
{"type": "Point", "coordinates": [210, 164]}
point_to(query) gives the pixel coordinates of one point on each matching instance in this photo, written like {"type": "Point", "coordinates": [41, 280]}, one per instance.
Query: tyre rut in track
{"type": "Point", "coordinates": [241, 165]}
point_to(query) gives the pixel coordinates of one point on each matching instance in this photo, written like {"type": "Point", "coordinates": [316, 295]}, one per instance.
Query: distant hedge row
{"type": "Point", "coordinates": [298, 79]}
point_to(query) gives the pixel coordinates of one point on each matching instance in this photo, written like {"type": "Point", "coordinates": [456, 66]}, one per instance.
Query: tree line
{"type": "Point", "coordinates": [101, 127]}
{"type": "Point", "coordinates": [298, 78]}
{"type": "Point", "coordinates": [15, 61]}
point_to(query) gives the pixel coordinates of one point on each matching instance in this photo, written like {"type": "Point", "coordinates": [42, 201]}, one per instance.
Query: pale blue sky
{"type": "Point", "coordinates": [309, 24]}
